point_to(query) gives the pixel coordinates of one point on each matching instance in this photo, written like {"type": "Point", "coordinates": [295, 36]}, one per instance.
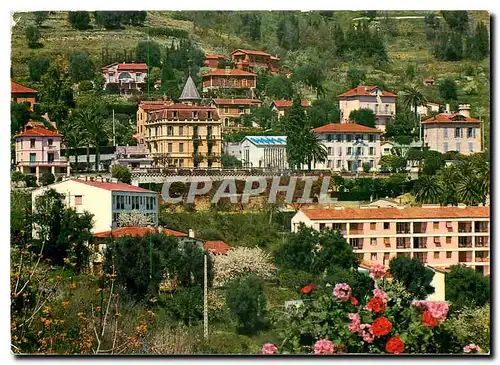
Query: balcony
{"type": "Point", "coordinates": [481, 227]}
{"type": "Point", "coordinates": [384, 112]}
{"type": "Point", "coordinates": [464, 242]}
{"type": "Point", "coordinates": [482, 259]}
{"type": "Point", "coordinates": [43, 163]}
{"type": "Point", "coordinates": [464, 227]}
{"type": "Point", "coordinates": [356, 231]}
{"type": "Point", "coordinates": [403, 228]}
{"type": "Point", "coordinates": [419, 227]}
{"type": "Point", "coordinates": [482, 242]}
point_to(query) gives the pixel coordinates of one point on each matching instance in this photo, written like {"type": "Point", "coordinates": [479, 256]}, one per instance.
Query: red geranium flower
{"type": "Point", "coordinates": [395, 345]}
{"type": "Point", "coordinates": [307, 289]}
{"type": "Point", "coordinates": [381, 326]}
{"type": "Point", "coordinates": [428, 320]}
{"type": "Point", "coordinates": [354, 301]}
{"type": "Point", "coordinates": [376, 305]}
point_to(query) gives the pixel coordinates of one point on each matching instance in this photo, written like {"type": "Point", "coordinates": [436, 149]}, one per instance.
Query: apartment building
{"type": "Point", "coordinates": [349, 147]}
{"type": "Point", "coordinates": [38, 150]}
{"type": "Point", "coordinates": [106, 200]}
{"type": "Point", "coordinates": [438, 236]}
{"type": "Point", "coordinates": [247, 59]}
{"type": "Point", "coordinates": [231, 110]}
{"type": "Point", "coordinates": [453, 132]}
{"type": "Point", "coordinates": [146, 106]}
{"type": "Point", "coordinates": [228, 78]}
{"type": "Point", "coordinates": [383, 104]}
{"type": "Point", "coordinates": [21, 94]}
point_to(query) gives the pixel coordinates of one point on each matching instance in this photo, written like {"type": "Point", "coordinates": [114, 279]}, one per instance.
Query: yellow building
{"type": "Point", "coordinates": [184, 134]}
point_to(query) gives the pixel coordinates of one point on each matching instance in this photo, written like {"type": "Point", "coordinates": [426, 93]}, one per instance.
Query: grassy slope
{"type": "Point", "coordinates": [410, 47]}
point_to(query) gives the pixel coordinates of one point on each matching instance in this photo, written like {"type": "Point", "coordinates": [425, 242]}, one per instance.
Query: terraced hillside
{"type": "Point", "coordinates": [407, 46]}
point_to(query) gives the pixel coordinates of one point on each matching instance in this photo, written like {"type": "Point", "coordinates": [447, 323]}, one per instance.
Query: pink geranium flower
{"type": "Point", "coordinates": [379, 293]}
{"type": "Point", "coordinates": [438, 310]}
{"type": "Point", "coordinates": [269, 349]}
{"type": "Point", "coordinates": [378, 271]}
{"type": "Point", "coordinates": [322, 347]}
{"type": "Point", "coordinates": [355, 324]}
{"type": "Point", "coordinates": [472, 348]}
{"type": "Point", "coordinates": [366, 333]}
{"type": "Point", "coordinates": [342, 291]}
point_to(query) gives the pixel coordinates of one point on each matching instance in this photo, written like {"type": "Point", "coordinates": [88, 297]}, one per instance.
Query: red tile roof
{"type": "Point", "coordinates": [217, 247]}
{"type": "Point", "coordinates": [364, 90]}
{"type": "Point", "coordinates": [450, 118]}
{"type": "Point", "coordinates": [184, 112]}
{"type": "Point", "coordinates": [251, 51]}
{"type": "Point", "coordinates": [236, 101]}
{"type": "Point", "coordinates": [232, 72]}
{"type": "Point", "coordinates": [138, 232]}
{"type": "Point", "coordinates": [345, 128]}
{"type": "Point", "coordinates": [20, 89]}
{"type": "Point", "coordinates": [397, 213]}
{"type": "Point", "coordinates": [288, 103]}
{"type": "Point", "coordinates": [209, 56]}
{"type": "Point", "coordinates": [132, 66]}
{"type": "Point", "coordinates": [38, 131]}
{"type": "Point", "coordinates": [111, 186]}
{"type": "Point", "coordinates": [154, 104]}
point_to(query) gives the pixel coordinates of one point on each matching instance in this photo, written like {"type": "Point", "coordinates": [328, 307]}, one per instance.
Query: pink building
{"type": "Point", "coordinates": [38, 150]}
{"type": "Point", "coordinates": [125, 77]}
{"type": "Point", "coordinates": [438, 236]}
{"type": "Point", "coordinates": [453, 132]}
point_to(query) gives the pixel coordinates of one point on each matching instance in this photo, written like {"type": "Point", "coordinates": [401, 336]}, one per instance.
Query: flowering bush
{"type": "Point", "coordinates": [240, 261]}
{"type": "Point", "coordinates": [384, 322]}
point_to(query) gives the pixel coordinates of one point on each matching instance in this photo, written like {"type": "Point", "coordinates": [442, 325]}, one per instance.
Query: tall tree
{"type": "Point", "coordinates": [295, 126]}
{"type": "Point", "coordinates": [355, 77]}
{"type": "Point", "coordinates": [79, 19]}
{"type": "Point", "coordinates": [56, 92]}
{"type": "Point", "coordinates": [413, 275]}
{"type": "Point", "coordinates": [465, 287]}
{"type": "Point", "coordinates": [37, 68]}
{"type": "Point", "coordinates": [364, 117]}
{"type": "Point", "coordinates": [448, 89]}
{"type": "Point", "coordinates": [428, 190]}
{"type": "Point", "coordinates": [412, 97]}
{"type": "Point", "coordinates": [148, 52]}
{"type": "Point", "coordinates": [457, 20]}
{"type": "Point", "coordinates": [81, 66]}
{"type": "Point", "coordinates": [33, 36]}
{"type": "Point", "coordinates": [288, 31]}
{"type": "Point", "coordinates": [41, 17]}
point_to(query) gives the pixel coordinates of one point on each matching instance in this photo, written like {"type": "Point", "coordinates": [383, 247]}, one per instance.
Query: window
{"type": "Point", "coordinates": [195, 115]}
{"type": "Point", "coordinates": [340, 151]}
{"type": "Point", "coordinates": [339, 164]}
{"type": "Point", "coordinates": [338, 138]}
{"type": "Point", "coordinates": [329, 137]}
{"type": "Point", "coordinates": [349, 150]}
{"type": "Point", "coordinates": [209, 115]}
{"type": "Point", "coordinates": [373, 226]}
{"type": "Point", "coordinates": [470, 133]}
{"type": "Point", "coordinates": [181, 130]}
{"type": "Point", "coordinates": [387, 241]}
{"type": "Point", "coordinates": [241, 109]}
{"type": "Point", "coordinates": [50, 157]}
{"type": "Point", "coordinates": [436, 254]}
{"type": "Point", "coordinates": [386, 225]}
{"type": "Point", "coordinates": [169, 147]}
{"type": "Point", "coordinates": [174, 114]}
{"type": "Point", "coordinates": [373, 241]}
{"type": "Point", "coordinates": [226, 122]}
{"type": "Point", "coordinates": [471, 147]}
{"type": "Point", "coordinates": [181, 147]}
{"type": "Point", "coordinates": [445, 131]}
{"type": "Point", "coordinates": [32, 143]}
{"type": "Point", "coordinates": [457, 147]}
{"type": "Point", "coordinates": [373, 256]}
{"type": "Point", "coordinates": [50, 141]}
{"type": "Point", "coordinates": [226, 110]}
{"type": "Point", "coordinates": [360, 151]}
{"type": "Point", "coordinates": [321, 226]}
{"type": "Point", "coordinates": [371, 138]}
{"type": "Point", "coordinates": [386, 257]}
{"type": "Point", "coordinates": [329, 150]}
{"type": "Point", "coordinates": [170, 131]}
{"type": "Point", "coordinates": [329, 164]}
{"type": "Point", "coordinates": [78, 200]}
{"type": "Point", "coordinates": [372, 151]}
{"type": "Point", "coordinates": [448, 255]}
{"type": "Point", "coordinates": [349, 138]}
{"type": "Point", "coordinates": [445, 146]}
{"type": "Point", "coordinates": [448, 240]}
{"type": "Point", "coordinates": [458, 132]}
{"type": "Point", "coordinates": [436, 226]}
{"type": "Point", "coordinates": [359, 137]}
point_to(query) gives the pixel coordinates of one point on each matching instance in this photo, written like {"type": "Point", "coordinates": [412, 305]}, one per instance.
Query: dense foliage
{"type": "Point", "coordinates": [414, 276]}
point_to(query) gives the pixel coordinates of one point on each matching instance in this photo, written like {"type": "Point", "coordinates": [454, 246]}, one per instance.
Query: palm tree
{"type": "Point", "coordinates": [468, 191]}
{"type": "Point", "coordinates": [428, 189]}
{"type": "Point", "coordinates": [313, 148]}
{"type": "Point", "coordinates": [448, 178]}
{"type": "Point", "coordinates": [93, 124]}
{"type": "Point", "coordinates": [73, 138]}
{"type": "Point", "coordinates": [412, 97]}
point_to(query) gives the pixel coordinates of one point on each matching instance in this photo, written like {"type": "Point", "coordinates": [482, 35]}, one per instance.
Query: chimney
{"type": "Point", "coordinates": [191, 233]}
{"type": "Point", "coordinates": [447, 109]}
{"type": "Point", "coordinates": [160, 229]}
{"type": "Point", "coordinates": [228, 70]}
{"type": "Point", "coordinates": [464, 109]}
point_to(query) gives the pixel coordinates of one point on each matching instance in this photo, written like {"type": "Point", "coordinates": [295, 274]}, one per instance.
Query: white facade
{"type": "Point", "coordinates": [264, 152]}
{"type": "Point", "coordinates": [105, 200]}
{"type": "Point", "coordinates": [232, 149]}
{"type": "Point", "coordinates": [345, 145]}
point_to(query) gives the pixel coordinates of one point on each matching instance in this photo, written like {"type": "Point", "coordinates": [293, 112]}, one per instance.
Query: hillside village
{"type": "Point", "coordinates": [95, 136]}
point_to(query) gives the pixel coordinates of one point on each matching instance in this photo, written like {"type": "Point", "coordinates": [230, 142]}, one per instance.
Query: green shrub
{"type": "Point", "coordinates": [185, 304]}
{"type": "Point", "coordinates": [225, 343]}
{"type": "Point", "coordinates": [121, 173]}
{"type": "Point", "coordinates": [248, 304]}
{"type": "Point", "coordinates": [473, 326]}
{"type": "Point", "coordinates": [30, 181]}
{"type": "Point", "coordinates": [16, 176]}
{"type": "Point", "coordinates": [295, 279]}
{"type": "Point", "coordinates": [85, 85]}
{"type": "Point", "coordinates": [465, 287]}
{"type": "Point", "coordinates": [47, 178]}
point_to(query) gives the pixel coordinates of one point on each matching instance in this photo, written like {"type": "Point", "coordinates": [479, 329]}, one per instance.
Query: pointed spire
{"type": "Point", "coordinates": [189, 93]}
